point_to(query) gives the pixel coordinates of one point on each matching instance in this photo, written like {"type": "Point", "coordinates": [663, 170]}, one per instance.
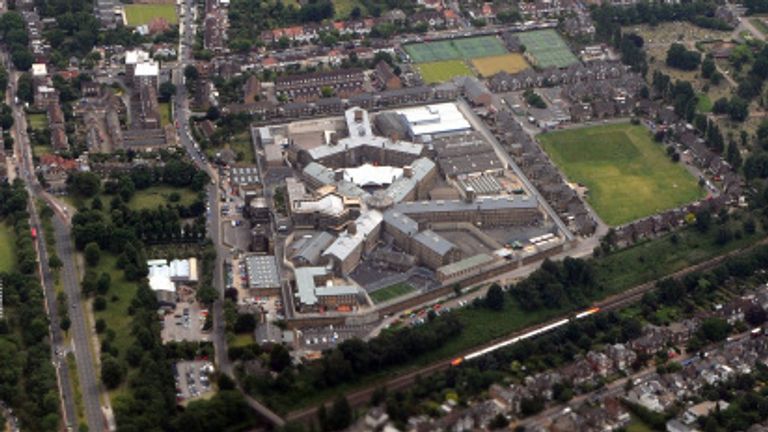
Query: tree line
{"type": "Point", "coordinates": [28, 381]}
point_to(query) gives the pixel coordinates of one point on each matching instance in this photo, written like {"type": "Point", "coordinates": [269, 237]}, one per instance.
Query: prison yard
{"type": "Point", "coordinates": [628, 176]}
{"type": "Point", "coordinates": [547, 49]}
{"type": "Point", "coordinates": [141, 14]}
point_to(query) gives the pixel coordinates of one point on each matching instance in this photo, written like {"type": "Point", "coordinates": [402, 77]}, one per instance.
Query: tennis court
{"type": "Point", "coordinates": [547, 48]}
{"type": "Point", "coordinates": [455, 49]}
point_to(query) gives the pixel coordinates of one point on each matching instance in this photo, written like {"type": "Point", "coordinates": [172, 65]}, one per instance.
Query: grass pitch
{"type": "Point", "coordinates": [455, 49]}
{"type": "Point", "coordinates": [140, 14]}
{"type": "Point", "coordinates": [489, 66]}
{"type": "Point", "coordinates": [391, 292]}
{"type": "Point", "coordinates": [437, 72]}
{"type": "Point", "coordinates": [628, 175]}
{"type": "Point", "coordinates": [547, 48]}
{"type": "Point", "coordinates": [7, 255]}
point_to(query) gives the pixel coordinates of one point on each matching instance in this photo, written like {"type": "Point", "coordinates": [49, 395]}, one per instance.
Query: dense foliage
{"type": "Point", "coordinates": [28, 380]}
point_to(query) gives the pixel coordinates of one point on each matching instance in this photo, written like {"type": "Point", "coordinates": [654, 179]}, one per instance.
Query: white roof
{"type": "Point", "coordinates": [147, 69]}
{"type": "Point", "coordinates": [136, 56]}
{"type": "Point", "coordinates": [370, 175]}
{"type": "Point", "coordinates": [330, 204]}
{"type": "Point", "coordinates": [308, 291]}
{"type": "Point", "coordinates": [434, 119]}
{"type": "Point", "coordinates": [39, 69]}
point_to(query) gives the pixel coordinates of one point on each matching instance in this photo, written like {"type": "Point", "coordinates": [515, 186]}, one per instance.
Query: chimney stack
{"type": "Point", "coordinates": [469, 194]}
{"type": "Point", "coordinates": [338, 175]}
{"type": "Point", "coordinates": [352, 228]}
{"type": "Point", "coordinates": [408, 171]}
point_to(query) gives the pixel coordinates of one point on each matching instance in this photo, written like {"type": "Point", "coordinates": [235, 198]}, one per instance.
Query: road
{"type": "Point", "coordinates": [361, 397]}
{"type": "Point", "coordinates": [79, 330]}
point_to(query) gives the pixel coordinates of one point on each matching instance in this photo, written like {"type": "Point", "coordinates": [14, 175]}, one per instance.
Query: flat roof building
{"type": "Point", "coordinates": [263, 273]}
{"type": "Point", "coordinates": [314, 290]}
{"type": "Point", "coordinates": [425, 121]}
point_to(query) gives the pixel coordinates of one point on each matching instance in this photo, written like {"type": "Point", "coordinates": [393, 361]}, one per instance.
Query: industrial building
{"type": "Point", "coordinates": [263, 275]}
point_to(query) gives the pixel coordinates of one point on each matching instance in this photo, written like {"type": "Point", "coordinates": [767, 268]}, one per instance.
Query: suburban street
{"type": "Point", "coordinates": [80, 331]}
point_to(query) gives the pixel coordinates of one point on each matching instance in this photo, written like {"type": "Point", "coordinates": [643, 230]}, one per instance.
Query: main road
{"type": "Point", "coordinates": [80, 331]}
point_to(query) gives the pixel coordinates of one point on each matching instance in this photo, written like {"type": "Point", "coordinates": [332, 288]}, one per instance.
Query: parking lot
{"type": "Point", "coordinates": [192, 380]}
{"type": "Point", "coordinates": [185, 323]}
{"type": "Point", "coordinates": [321, 338]}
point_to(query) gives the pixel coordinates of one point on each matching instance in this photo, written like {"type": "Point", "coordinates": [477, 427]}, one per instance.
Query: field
{"type": "Point", "coordinates": [119, 298]}
{"type": "Point", "coordinates": [455, 49]}
{"type": "Point", "coordinates": [759, 23]}
{"type": "Point", "coordinates": [628, 176]}
{"type": "Point", "coordinates": [547, 48]}
{"type": "Point", "coordinates": [341, 8]}
{"type": "Point", "coordinates": [391, 292]}
{"type": "Point", "coordinates": [489, 66]}
{"type": "Point", "coordinates": [140, 14]}
{"type": "Point", "coordinates": [441, 71]}
{"type": "Point", "coordinates": [7, 259]}
{"type": "Point", "coordinates": [154, 196]}
{"type": "Point", "coordinates": [165, 113]}
{"type": "Point", "coordinates": [37, 121]}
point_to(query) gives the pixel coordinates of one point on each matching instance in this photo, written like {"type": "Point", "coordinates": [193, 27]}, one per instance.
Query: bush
{"type": "Point", "coordinates": [99, 304]}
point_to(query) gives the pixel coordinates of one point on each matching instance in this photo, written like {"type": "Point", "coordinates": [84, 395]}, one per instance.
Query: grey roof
{"type": "Point", "coordinates": [485, 203]}
{"type": "Point", "coordinates": [245, 175]}
{"type": "Point", "coordinates": [312, 248]}
{"type": "Point", "coordinates": [420, 168]}
{"type": "Point", "coordinates": [262, 271]}
{"type": "Point", "coordinates": [467, 263]}
{"type": "Point", "coordinates": [308, 291]}
{"type": "Point", "coordinates": [435, 242]}
{"type": "Point", "coordinates": [401, 222]}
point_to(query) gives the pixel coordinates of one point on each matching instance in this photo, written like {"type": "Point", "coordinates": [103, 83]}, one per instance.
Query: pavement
{"type": "Point", "coordinates": [89, 382]}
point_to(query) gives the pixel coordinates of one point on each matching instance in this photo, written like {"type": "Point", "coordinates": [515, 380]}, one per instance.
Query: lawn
{"type": "Point", "coordinates": [489, 66]}
{"type": "Point", "coordinates": [442, 71]}
{"type": "Point", "coordinates": [547, 48]}
{"type": "Point", "coordinates": [37, 121]}
{"type": "Point", "coordinates": [165, 113]}
{"type": "Point", "coordinates": [7, 260]}
{"type": "Point", "coordinates": [342, 8]}
{"type": "Point", "coordinates": [627, 174]}
{"type": "Point", "coordinates": [140, 14]}
{"type": "Point", "coordinates": [759, 24]}
{"type": "Point", "coordinates": [119, 297]}
{"type": "Point", "coordinates": [240, 340]}
{"type": "Point", "coordinates": [390, 292]}
{"type": "Point", "coordinates": [155, 196]}
{"type": "Point", "coordinates": [243, 147]}
{"type": "Point", "coordinates": [704, 103]}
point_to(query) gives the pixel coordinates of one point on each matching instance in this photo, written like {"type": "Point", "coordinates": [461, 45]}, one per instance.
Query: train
{"type": "Point", "coordinates": [533, 333]}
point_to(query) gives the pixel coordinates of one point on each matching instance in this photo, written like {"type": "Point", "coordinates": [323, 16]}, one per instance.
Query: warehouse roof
{"type": "Point", "coordinates": [435, 119]}
{"type": "Point", "coordinates": [262, 271]}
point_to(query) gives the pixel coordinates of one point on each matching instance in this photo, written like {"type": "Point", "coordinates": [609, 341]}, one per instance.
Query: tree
{"type": "Point", "coordinates": [755, 315]}
{"type": "Point", "coordinates": [340, 415]}
{"type": "Point", "coordinates": [498, 422]}
{"type": "Point", "coordinates": [494, 300]}
{"type": "Point", "coordinates": [99, 304]}
{"type": "Point", "coordinates": [54, 261]}
{"type": "Point", "coordinates": [191, 73]}
{"type": "Point", "coordinates": [708, 67]}
{"type": "Point", "coordinates": [101, 325]}
{"type": "Point", "coordinates": [22, 58]}
{"type": "Point", "coordinates": [92, 254]}
{"type": "Point", "coordinates": [65, 323]}
{"type": "Point", "coordinates": [738, 109]}
{"type": "Point", "coordinates": [102, 286]}
{"type": "Point", "coordinates": [245, 323]}
{"type": "Point", "coordinates": [279, 358]}
{"type": "Point", "coordinates": [84, 183]}
{"type": "Point", "coordinates": [213, 113]}
{"type": "Point", "coordinates": [679, 57]}
{"type": "Point", "coordinates": [111, 372]}
{"type": "Point", "coordinates": [207, 294]}
{"type": "Point", "coordinates": [166, 91]}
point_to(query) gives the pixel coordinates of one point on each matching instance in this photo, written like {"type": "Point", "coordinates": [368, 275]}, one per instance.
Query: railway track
{"type": "Point", "coordinates": [614, 302]}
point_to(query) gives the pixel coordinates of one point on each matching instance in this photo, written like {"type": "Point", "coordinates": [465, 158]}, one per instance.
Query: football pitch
{"type": "Point", "coordinates": [455, 49]}
{"type": "Point", "coordinates": [140, 14]}
{"type": "Point", "coordinates": [441, 71]}
{"type": "Point", "coordinates": [627, 174]}
{"type": "Point", "coordinates": [547, 48]}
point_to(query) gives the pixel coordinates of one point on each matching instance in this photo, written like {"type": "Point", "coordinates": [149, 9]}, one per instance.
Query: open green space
{"type": "Point", "coordinates": [759, 25]}
{"type": "Point", "coordinates": [455, 49]}
{"type": "Point", "coordinates": [628, 175]}
{"type": "Point", "coordinates": [704, 103]}
{"type": "Point", "coordinates": [121, 293]}
{"type": "Point", "coordinates": [390, 292]}
{"type": "Point", "coordinates": [39, 150]}
{"type": "Point", "coordinates": [155, 196]}
{"type": "Point", "coordinates": [165, 113]}
{"type": "Point", "coordinates": [442, 71]}
{"type": "Point", "coordinates": [342, 8]}
{"type": "Point", "coordinates": [240, 340]}
{"type": "Point", "coordinates": [37, 121]}
{"type": "Point", "coordinates": [7, 260]}
{"type": "Point", "coordinates": [140, 14]}
{"type": "Point", "coordinates": [547, 48]}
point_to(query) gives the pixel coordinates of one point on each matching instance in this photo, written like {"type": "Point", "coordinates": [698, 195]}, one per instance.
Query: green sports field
{"type": "Point", "coordinates": [628, 175]}
{"type": "Point", "coordinates": [140, 14]}
{"type": "Point", "coordinates": [455, 49]}
{"type": "Point", "coordinates": [7, 259]}
{"type": "Point", "coordinates": [547, 48]}
{"type": "Point", "coordinates": [437, 72]}
{"type": "Point", "coordinates": [391, 292]}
